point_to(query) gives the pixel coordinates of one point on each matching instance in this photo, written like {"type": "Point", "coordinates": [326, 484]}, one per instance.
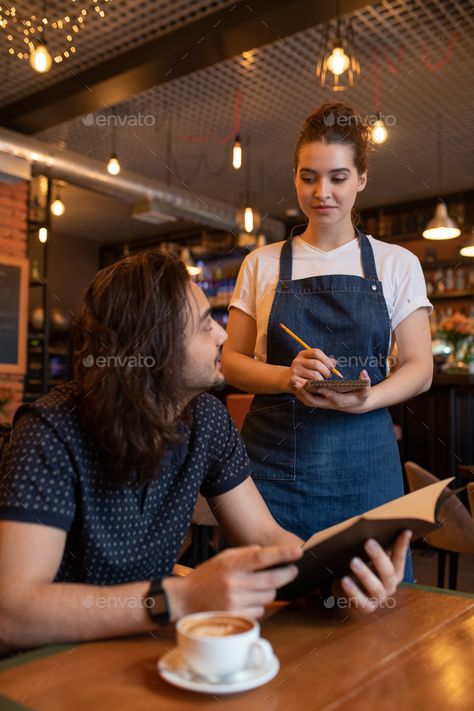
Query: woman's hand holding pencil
{"type": "Point", "coordinates": [314, 364]}
{"type": "Point", "coordinates": [309, 364]}
{"type": "Point", "coordinates": [330, 362]}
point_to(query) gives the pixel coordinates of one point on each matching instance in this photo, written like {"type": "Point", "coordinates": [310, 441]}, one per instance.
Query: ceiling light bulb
{"type": "Point", "coordinates": [40, 59]}
{"type": "Point", "coordinates": [248, 219]}
{"type": "Point", "coordinates": [379, 132]}
{"type": "Point", "coordinates": [57, 207]}
{"type": "Point", "coordinates": [43, 234]}
{"type": "Point", "coordinates": [441, 226]}
{"type": "Point", "coordinates": [338, 62]}
{"type": "Point", "coordinates": [237, 154]}
{"type": "Point", "coordinates": [113, 166]}
{"type": "Point", "coordinates": [192, 268]}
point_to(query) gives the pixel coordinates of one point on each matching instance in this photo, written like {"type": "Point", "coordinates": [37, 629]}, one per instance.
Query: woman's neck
{"type": "Point", "coordinates": [328, 237]}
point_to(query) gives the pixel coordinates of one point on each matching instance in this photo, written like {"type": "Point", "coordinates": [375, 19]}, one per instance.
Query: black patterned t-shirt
{"type": "Point", "coordinates": [53, 474]}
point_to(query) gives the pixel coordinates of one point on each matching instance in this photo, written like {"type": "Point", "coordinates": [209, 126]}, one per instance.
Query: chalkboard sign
{"type": "Point", "coordinates": [13, 314]}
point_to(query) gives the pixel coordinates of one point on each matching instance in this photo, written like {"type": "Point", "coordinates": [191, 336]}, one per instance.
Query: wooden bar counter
{"type": "Point", "coordinates": [416, 654]}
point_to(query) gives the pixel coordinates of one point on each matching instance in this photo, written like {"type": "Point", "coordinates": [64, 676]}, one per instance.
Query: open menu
{"type": "Point", "coordinates": [327, 554]}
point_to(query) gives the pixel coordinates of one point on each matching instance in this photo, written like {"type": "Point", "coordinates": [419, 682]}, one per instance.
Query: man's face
{"type": "Point", "coordinates": [204, 339]}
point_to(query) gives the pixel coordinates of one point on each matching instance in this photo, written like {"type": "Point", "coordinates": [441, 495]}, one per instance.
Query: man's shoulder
{"type": "Point", "coordinates": [208, 405]}
{"type": "Point", "coordinates": [59, 408]}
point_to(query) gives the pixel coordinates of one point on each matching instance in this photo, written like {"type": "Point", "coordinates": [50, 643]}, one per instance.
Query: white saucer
{"type": "Point", "coordinates": [173, 669]}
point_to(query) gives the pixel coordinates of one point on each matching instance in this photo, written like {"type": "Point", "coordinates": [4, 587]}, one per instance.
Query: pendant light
{"type": "Point", "coordinates": [191, 266]}
{"type": "Point", "coordinates": [57, 207]}
{"type": "Point", "coordinates": [338, 66]}
{"type": "Point", "coordinates": [248, 219]}
{"type": "Point", "coordinates": [40, 58]}
{"type": "Point", "coordinates": [237, 153]}
{"type": "Point", "coordinates": [467, 250]}
{"type": "Point", "coordinates": [379, 131]}
{"type": "Point", "coordinates": [113, 166]}
{"type": "Point", "coordinates": [441, 226]}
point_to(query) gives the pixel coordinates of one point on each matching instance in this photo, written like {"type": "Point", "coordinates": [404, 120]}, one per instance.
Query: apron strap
{"type": "Point", "coordinates": [367, 255]}
{"type": "Point", "coordinates": [286, 256]}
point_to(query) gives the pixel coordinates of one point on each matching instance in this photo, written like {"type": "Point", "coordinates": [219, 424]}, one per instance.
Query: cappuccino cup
{"type": "Point", "coordinates": [219, 644]}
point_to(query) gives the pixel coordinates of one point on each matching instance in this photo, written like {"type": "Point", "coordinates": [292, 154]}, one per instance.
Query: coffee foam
{"type": "Point", "coordinates": [217, 627]}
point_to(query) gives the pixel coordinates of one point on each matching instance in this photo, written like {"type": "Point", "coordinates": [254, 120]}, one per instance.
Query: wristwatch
{"type": "Point", "coordinates": [156, 603]}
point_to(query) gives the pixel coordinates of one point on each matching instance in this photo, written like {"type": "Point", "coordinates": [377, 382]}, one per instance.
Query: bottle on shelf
{"type": "Point", "coordinates": [459, 281]}
{"type": "Point", "coordinates": [449, 279]}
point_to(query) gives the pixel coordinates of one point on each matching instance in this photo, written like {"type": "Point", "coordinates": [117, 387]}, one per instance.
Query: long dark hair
{"type": "Point", "coordinates": [130, 356]}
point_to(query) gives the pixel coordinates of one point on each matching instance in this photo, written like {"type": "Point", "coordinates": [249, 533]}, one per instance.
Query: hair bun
{"type": "Point", "coordinates": [337, 123]}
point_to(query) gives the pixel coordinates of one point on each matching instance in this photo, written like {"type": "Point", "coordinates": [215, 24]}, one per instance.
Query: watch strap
{"type": "Point", "coordinates": [156, 603]}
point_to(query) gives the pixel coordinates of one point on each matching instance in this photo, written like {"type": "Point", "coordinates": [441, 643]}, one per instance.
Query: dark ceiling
{"type": "Point", "coordinates": [177, 79]}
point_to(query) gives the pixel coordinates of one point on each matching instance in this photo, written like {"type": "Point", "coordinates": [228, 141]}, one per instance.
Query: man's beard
{"type": "Point", "coordinates": [219, 385]}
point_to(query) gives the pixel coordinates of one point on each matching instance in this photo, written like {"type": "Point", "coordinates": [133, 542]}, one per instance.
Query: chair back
{"type": "Point", "coordinates": [203, 515]}
{"type": "Point", "coordinates": [470, 497]}
{"type": "Point", "coordinates": [238, 405]}
{"type": "Point", "coordinates": [457, 533]}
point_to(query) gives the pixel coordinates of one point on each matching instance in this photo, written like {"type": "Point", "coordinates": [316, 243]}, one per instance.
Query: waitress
{"type": "Point", "coordinates": [319, 459]}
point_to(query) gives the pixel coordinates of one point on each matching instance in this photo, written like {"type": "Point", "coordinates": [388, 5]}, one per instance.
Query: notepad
{"type": "Point", "coordinates": [340, 386]}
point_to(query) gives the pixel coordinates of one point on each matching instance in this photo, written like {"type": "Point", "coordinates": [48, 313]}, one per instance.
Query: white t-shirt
{"type": "Point", "coordinates": [398, 269]}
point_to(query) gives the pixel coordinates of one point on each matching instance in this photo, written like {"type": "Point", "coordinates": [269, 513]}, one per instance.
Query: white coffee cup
{"type": "Point", "coordinates": [219, 644]}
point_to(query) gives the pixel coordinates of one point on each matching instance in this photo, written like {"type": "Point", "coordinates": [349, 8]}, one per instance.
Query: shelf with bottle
{"type": "Point", "coordinates": [461, 294]}
{"type": "Point", "coordinates": [449, 283]}
{"type": "Point", "coordinates": [406, 221]}
{"type": "Point", "coordinates": [218, 291]}
{"type": "Point", "coordinates": [58, 363]}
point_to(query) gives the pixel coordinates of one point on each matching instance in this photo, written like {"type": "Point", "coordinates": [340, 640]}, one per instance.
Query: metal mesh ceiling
{"type": "Point", "coordinates": [420, 55]}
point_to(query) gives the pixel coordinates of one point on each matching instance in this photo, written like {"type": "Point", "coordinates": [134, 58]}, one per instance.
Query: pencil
{"type": "Point", "coordinates": [308, 348]}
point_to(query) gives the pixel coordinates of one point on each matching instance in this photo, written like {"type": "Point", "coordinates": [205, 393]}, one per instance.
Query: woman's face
{"type": "Point", "coordinates": [327, 182]}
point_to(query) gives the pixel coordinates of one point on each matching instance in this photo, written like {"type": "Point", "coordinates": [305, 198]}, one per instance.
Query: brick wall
{"type": "Point", "coordinates": [13, 243]}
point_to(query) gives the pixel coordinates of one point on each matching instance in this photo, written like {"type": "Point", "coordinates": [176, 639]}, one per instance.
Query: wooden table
{"type": "Point", "coordinates": [418, 654]}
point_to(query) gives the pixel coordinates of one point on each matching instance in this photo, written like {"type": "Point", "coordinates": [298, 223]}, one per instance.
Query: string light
{"type": "Point", "coordinates": [43, 235]}
{"type": "Point", "coordinates": [19, 30]}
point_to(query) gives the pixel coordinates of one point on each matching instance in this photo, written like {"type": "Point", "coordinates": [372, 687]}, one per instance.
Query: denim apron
{"type": "Point", "coordinates": [316, 467]}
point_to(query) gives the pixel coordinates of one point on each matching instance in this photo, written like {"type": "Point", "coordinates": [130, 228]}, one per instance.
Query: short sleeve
{"type": "Point", "coordinates": [243, 297]}
{"type": "Point", "coordinates": [410, 290]}
{"type": "Point", "coordinates": [229, 464]}
{"type": "Point", "coordinates": [37, 477]}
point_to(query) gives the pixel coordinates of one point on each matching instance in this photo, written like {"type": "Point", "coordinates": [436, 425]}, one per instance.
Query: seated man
{"type": "Point", "coordinates": [100, 480]}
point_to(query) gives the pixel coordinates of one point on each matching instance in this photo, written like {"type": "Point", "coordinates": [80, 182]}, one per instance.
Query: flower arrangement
{"type": "Point", "coordinates": [456, 330]}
